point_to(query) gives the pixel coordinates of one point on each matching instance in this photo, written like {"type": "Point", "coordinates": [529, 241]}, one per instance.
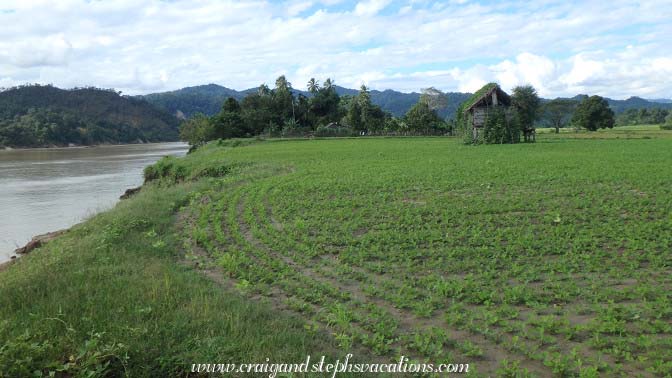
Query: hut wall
{"type": "Point", "coordinates": [479, 116]}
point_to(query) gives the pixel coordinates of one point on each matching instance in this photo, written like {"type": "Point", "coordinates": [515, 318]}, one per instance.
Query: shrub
{"type": "Point", "coordinates": [501, 128]}
{"type": "Point", "coordinates": [667, 126]}
{"type": "Point", "coordinates": [166, 168]}
{"type": "Point", "coordinates": [171, 170]}
{"type": "Point", "coordinates": [323, 131]}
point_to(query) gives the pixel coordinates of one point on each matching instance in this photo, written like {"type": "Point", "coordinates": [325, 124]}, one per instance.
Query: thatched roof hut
{"type": "Point", "coordinates": [480, 103]}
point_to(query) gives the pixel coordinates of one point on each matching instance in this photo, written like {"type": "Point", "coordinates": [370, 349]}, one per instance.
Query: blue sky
{"type": "Point", "coordinates": [618, 48]}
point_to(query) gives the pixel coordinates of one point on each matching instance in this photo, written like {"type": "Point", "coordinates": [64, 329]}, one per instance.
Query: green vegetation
{"type": "Point", "coordinates": [526, 103]}
{"type": "Point", "coordinates": [422, 118]}
{"type": "Point", "coordinates": [643, 116]}
{"type": "Point", "coordinates": [477, 95]}
{"type": "Point", "coordinates": [546, 259]}
{"type": "Point", "coordinates": [278, 113]}
{"type": "Point", "coordinates": [208, 99]}
{"type": "Point", "coordinates": [557, 113]}
{"type": "Point", "coordinates": [501, 127]}
{"type": "Point", "coordinates": [668, 123]}
{"type": "Point", "coordinates": [42, 116]}
{"type": "Point", "coordinates": [593, 113]}
{"type": "Point", "coordinates": [188, 102]}
{"type": "Point", "coordinates": [119, 295]}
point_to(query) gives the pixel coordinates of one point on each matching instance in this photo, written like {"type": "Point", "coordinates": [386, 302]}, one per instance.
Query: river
{"type": "Point", "coordinates": [43, 190]}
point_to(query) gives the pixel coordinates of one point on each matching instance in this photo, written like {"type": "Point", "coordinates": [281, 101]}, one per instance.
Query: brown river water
{"type": "Point", "coordinates": [43, 190]}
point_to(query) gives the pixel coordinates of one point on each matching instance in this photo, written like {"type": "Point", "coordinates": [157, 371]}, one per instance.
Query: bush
{"type": "Point", "coordinates": [500, 128]}
{"type": "Point", "coordinates": [323, 131]}
{"type": "Point", "coordinates": [667, 126]}
{"type": "Point", "coordinates": [166, 168]}
{"type": "Point", "coordinates": [171, 170]}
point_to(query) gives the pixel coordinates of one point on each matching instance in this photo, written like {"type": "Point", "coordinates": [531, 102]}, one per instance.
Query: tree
{"type": "Point", "coordinates": [558, 112]}
{"type": "Point", "coordinates": [229, 122]}
{"type": "Point", "coordinates": [284, 100]}
{"type": "Point", "coordinates": [323, 107]}
{"type": "Point", "coordinates": [264, 90]}
{"type": "Point", "coordinates": [364, 116]}
{"type": "Point", "coordinates": [421, 118]}
{"type": "Point", "coordinates": [354, 116]}
{"type": "Point", "coordinates": [526, 104]}
{"type": "Point", "coordinates": [434, 98]}
{"type": "Point", "coordinates": [313, 86]}
{"type": "Point", "coordinates": [668, 122]}
{"type": "Point", "coordinates": [258, 114]}
{"type": "Point", "coordinates": [593, 113]}
{"type": "Point", "coordinates": [328, 83]}
{"type": "Point", "coordinates": [196, 130]}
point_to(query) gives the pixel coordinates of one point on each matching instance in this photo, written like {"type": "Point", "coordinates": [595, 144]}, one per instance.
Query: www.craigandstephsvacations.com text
{"type": "Point", "coordinates": [329, 368]}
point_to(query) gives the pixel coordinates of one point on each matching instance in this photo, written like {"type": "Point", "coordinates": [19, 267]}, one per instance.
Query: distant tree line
{"type": "Point", "coordinates": [278, 112]}
{"type": "Point", "coordinates": [559, 113]}
{"type": "Point", "coordinates": [644, 116]}
{"type": "Point", "coordinates": [42, 115]}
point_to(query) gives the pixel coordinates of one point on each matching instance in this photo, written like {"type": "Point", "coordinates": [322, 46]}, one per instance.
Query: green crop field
{"type": "Point", "coordinates": [550, 259]}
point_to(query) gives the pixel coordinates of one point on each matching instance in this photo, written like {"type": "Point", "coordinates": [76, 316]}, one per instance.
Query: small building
{"type": "Point", "coordinates": [477, 107]}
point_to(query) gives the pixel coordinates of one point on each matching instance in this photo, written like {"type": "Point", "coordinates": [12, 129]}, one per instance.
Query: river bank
{"type": "Point", "coordinates": [52, 189]}
{"type": "Point", "coordinates": [36, 242]}
{"type": "Point", "coordinates": [117, 295]}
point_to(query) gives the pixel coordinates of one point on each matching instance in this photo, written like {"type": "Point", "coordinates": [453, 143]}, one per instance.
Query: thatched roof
{"type": "Point", "coordinates": [484, 93]}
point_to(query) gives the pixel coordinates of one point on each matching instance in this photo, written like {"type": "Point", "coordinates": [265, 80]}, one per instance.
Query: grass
{"type": "Point", "coordinates": [618, 132]}
{"type": "Point", "coordinates": [545, 259]}
{"type": "Point", "coordinates": [114, 298]}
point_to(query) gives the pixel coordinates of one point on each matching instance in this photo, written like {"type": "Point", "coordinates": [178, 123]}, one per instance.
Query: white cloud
{"type": "Point", "coordinates": [52, 50]}
{"type": "Point", "coordinates": [617, 49]}
{"type": "Point", "coordinates": [370, 7]}
{"type": "Point", "coordinates": [296, 7]}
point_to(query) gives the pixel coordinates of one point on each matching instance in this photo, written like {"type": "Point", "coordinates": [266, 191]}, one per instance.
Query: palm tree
{"type": "Point", "coordinates": [313, 86]}
{"type": "Point", "coordinates": [328, 84]}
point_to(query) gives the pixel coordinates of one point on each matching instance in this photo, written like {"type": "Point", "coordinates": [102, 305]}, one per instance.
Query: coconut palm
{"type": "Point", "coordinates": [313, 86]}
{"type": "Point", "coordinates": [328, 84]}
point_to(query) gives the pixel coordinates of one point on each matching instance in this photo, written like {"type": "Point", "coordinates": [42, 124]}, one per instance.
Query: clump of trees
{"type": "Point", "coordinates": [280, 112]}
{"type": "Point", "coordinates": [644, 116]}
{"type": "Point", "coordinates": [593, 113]}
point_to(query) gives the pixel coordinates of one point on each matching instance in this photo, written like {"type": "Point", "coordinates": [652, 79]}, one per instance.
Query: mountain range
{"type": "Point", "coordinates": [208, 99]}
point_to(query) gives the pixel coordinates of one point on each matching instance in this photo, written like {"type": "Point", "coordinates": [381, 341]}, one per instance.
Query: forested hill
{"type": "Point", "coordinates": [208, 99]}
{"type": "Point", "coordinates": [186, 102]}
{"type": "Point", "coordinates": [41, 116]}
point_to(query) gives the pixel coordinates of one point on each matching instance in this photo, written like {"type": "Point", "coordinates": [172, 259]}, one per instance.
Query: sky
{"type": "Point", "coordinates": [616, 48]}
